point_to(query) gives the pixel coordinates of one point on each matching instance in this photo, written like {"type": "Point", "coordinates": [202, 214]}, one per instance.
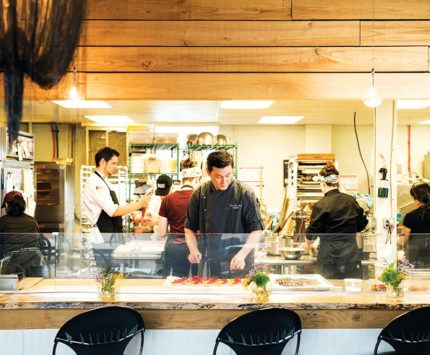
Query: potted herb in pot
{"type": "Point", "coordinates": [258, 283]}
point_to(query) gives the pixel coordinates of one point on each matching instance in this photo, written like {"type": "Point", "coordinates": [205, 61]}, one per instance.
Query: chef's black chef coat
{"type": "Point", "coordinates": [336, 218]}
{"type": "Point", "coordinates": [418, 246]}
{"type": "Point", "coordinates": [213, 212]}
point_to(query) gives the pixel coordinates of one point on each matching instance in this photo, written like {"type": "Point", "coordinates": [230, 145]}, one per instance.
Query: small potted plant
{"type": "Point", "coordinates": [106, 280]}
{"type": "Point", "coordinates": [258, 283]}
{"type": "Point", "coordinates": [393, 275]}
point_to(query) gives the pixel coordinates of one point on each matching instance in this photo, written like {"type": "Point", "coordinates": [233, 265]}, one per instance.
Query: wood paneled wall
{"type": "Point", "coordinates": [251, 49]}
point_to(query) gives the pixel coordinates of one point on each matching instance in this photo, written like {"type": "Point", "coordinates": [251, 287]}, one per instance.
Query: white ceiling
{"type": "Point", "coordinates": [336, 112]}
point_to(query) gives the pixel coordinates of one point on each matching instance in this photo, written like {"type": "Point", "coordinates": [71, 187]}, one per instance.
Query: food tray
{"type": "Point", "coordinates": [318, 283]}
{"type": "Point", "coordinates": [202, 288]}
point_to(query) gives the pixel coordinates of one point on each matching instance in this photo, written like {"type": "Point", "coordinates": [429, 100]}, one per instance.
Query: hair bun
{"type": "Point", "coordinates": [329, 169]}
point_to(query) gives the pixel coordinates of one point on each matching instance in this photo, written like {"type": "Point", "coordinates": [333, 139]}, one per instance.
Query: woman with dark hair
{"type": "Point", "coordinates": [416, 228]}
{"type": "Point", "coordinates": [17, 229]}
{"type": "Point", "coordinates": [336, 219]}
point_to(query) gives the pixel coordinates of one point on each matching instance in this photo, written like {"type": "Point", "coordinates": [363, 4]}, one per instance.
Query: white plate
{"type": "Point", "coordinates": [321, 283]}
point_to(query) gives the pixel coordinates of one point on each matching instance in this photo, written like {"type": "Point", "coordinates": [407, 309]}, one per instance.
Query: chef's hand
{"type": "Point", "coordinates": [195, 257]}
{"type": "Point", "coordinates": [145, 199]}
{"type": "Point", "coordinates": [238, 262]}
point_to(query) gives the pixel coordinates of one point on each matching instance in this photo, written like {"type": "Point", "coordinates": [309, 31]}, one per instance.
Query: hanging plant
{"type": "Point", "coordinates": [38, 39]}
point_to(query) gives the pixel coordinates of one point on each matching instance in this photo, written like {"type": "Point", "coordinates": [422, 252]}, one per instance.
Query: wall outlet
{"type": "Point", "coordinates": [388, 223]}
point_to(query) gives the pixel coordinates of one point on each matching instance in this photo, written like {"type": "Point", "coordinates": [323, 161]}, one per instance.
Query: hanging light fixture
{"type": "Point", "coordinates": [371, 98]}
{"type": "Point", "coordinates": [73, 94]}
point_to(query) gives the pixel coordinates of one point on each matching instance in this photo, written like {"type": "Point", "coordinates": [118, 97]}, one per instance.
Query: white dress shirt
{"type": "Point", "coordinates": [97, 198]}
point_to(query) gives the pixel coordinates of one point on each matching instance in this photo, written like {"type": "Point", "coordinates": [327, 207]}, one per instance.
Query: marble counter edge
{"type": "Point", "coordinates": [206, 306]}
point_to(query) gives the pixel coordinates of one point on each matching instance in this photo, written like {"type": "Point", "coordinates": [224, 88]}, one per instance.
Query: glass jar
{"type": "Point", "coordinates": [394, 291]}
{"type": "Point", "coordinates": [258, 293]}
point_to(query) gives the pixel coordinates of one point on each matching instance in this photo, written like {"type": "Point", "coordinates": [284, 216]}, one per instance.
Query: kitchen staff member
{"type": "Point", "coordinates": [17, 229]}
{"type": "Point", "coordinates": [101, 205]}
{"type": "Point", "coordinates": [416, 228]}
{"type": "Point", "coordinates": [336, 219]}
{"type": "Point", "coordinates": [222, 205]}
{"type": "Point", "coordinates": [172, 215]}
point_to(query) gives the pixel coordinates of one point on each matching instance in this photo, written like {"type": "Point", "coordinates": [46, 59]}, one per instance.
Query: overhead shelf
{"type": "Point", "coordinates": [141, 147]}
{"type": "Point", "coordinates": [210, 146]}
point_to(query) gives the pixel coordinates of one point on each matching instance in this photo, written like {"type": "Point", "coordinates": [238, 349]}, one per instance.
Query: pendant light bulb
{"type": "Point", "coordinates": [73, 94]}
{"type": "Point", "coordinates": [372, 99]}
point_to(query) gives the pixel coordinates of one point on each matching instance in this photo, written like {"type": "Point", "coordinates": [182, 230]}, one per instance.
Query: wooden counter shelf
{"type": "Point", "coordinates": [48, 303]}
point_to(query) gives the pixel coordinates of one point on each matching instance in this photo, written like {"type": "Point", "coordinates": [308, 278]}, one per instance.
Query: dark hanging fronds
{"type": "Point", "coordinates": [37, 38]}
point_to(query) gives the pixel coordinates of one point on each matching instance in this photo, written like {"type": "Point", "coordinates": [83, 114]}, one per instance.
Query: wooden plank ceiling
{"type": "Point", "coordinates": [250, 49]}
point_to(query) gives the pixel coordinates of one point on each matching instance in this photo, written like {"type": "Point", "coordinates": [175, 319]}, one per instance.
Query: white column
{"type": "Point", "coordinates": [385, 208]}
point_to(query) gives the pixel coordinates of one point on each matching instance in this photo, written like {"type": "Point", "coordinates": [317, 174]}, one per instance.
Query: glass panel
{"type": "Point", "coordinates": [292, 264]}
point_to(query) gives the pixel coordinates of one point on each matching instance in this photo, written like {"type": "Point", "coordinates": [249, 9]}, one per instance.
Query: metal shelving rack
{"type": "Point", "coordinates": [153, 148]}
{"type": "Point", "coordinates": [300, 186]}
{"type": "Point", "coordinates": [213, 147]}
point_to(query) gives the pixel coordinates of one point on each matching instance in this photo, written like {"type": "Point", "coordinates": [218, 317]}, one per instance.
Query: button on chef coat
{"type": "Point", "coordinates": [97, 198]}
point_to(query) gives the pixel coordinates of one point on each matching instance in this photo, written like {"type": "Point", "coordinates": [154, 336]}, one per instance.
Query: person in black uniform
{"type": "Point", "coordinates": [101, 204]}
{"type": "Point", "coordinates": [416, 228]}
{"type": "Point", "coordinates": [336, 219]}
{"type": "Point", "coordinates": [17, 229]}
{"type": "Point", "coordinates": [220, 206]}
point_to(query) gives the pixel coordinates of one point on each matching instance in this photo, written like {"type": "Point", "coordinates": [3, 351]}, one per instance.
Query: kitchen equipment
{"type": "Point", "coordinates": [291, 253]}
{"type": "Point", "coordinates": [275, 242]}
{"type": "Point", "coordinates": [220, 139]}
{"type": "Point", "coordinates": [54, 196]}
{"type": "Point", "coordinates": [205, 138]}
{"type": "Point", "coordinates": [8, 282]}
{"type": "Point", "coordinates": [16, 167]}
{"type": "Point", "coordinates": [192, 139]}
{"type": "Point", "coordinates": [353, 285]}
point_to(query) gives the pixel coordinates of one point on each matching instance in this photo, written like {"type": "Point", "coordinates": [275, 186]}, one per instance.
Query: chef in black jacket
{"type": "Point", "coordinates": [416, 228]}
{"type": "Point", "coordinates": [336, 219]}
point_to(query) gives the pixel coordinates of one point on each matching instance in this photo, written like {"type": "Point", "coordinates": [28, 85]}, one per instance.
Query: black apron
{"type": "Point", "coordinates": [105, 223]}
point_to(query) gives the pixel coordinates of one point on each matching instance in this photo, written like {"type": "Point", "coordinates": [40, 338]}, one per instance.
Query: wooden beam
{"type": "Point", "coordinates": [251, 59]}
{"type": "Point", "coordinates": [189, 10]}
{"type": "Point", "coordinates": [395, 33]}
{"type": "Point", "coordinates": [226, 86]}
{"type": "Point", "coordinates": [220, 33]}
{"type": "Point", "coordinates": [353, 9]}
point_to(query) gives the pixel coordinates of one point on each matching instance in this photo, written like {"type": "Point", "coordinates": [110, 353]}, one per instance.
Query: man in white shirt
{"type": "Point", "coordinates": [101, 205]}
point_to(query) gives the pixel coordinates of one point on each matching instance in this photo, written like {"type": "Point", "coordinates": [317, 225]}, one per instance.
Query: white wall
{"type": "Point", "coordinates": [318, 139]}
{"type": "Point", "coordinates": [44, 143]}
{"type": "Point", "coordinates": [267, 146]}
{"type": "Point", "coordinates": [344, 146]}
{"type": "Point", "coordinates": [199, 342]}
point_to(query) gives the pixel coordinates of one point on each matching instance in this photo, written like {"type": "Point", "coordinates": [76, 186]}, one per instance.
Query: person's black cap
{"type": "Point", "coordinates": [164, 183]}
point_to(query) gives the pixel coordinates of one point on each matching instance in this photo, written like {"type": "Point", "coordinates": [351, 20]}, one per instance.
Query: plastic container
{"type": "Point", "coordinates": [353, 285]}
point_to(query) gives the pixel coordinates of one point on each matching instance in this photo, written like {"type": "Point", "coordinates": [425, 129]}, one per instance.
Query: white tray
{"type": "Point", "coordinates": [321, 285]}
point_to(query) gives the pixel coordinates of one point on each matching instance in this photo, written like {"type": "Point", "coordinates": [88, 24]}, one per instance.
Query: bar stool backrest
{"type": "Point", "coordinates": [264, 331]}
{"type": "Point", "coordinates": [101, 331]}
{"type": "Point", "coordinates": [409, 333]}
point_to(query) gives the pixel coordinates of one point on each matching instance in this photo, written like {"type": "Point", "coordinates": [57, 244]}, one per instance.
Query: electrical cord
{"type": "Point", "coordinates": [361, 156]}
